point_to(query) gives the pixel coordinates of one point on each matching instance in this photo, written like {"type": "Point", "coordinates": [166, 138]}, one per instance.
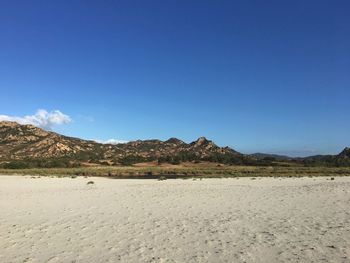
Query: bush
{"type": "Point", "coordinates": [60, 162]}
{"type": "Point", "coordinates": [16, 165]}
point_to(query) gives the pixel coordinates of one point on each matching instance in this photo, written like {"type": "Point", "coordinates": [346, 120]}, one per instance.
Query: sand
{"type": "Point", "coordinates": [209, 220]}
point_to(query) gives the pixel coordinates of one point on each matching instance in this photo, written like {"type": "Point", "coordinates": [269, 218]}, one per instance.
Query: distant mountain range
{"type": "Point", "coordinates": [262, 156]}
{"type": "Point", "coordinates": [32, 146]}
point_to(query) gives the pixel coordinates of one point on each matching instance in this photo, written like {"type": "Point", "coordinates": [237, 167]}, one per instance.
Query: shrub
{"type": "Point", "coordinates": [16, 165]}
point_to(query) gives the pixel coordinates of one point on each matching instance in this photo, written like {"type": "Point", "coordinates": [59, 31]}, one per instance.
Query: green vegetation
{"type": "Point", "coordinates": [129, 160]}
{"type": "Point", "coordinates": [63, 162]}
{"type": "Point", "coordinates": [184, 172]}
{"type": "Point", "coordinates": [220, 158]}
{"type": "Point", "coordinates": [162, 178]}
{"type": "Point", "coordinates": [326, 160]}
{"type": "Point", "coordinates": [133, 159]}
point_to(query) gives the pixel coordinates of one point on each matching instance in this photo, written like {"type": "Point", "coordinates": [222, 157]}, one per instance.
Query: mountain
{"type": "Point", "coordinates": [35, 147]}
{"type": "Point", "coordinates": [267, 156]}
{"type": "Point", "coordinates": [27, 141]}
{"type": "Point", "coordinates": [23, 142]}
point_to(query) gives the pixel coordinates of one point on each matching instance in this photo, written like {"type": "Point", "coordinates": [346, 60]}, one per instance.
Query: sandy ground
{"type": "Point", "coordinates": [210, 220]}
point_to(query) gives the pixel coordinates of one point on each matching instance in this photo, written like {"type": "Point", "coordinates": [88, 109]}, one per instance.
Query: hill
{"type": "Point", "coordinates": [23, 146]}
{"type": "Point", "coordinates": [342, 159]}
{"type": "Point", "coordinates": [27, 142]}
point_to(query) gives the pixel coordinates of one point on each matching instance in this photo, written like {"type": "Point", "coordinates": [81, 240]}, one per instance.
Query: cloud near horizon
{"type": "Point", "coordinates": [111, 141]}
{"type": "Point", "coordinates": [42, 118]}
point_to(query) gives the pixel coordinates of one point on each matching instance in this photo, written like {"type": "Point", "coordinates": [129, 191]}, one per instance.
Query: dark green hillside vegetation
{"type": "Point", "coordinates": [270, 157]}
{"type": "Point", "coordinates": [340, 160]}
{"type": "Point", "coordinates": [181, 171]}
{"type": "Point", "coordinates": [63, 162]}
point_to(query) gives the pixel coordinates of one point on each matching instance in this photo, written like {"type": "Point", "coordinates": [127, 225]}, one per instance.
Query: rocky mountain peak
{"type": "Point", "coordinates": [201, 141]}
{"type": "Point", "coordinates": [174, 141]}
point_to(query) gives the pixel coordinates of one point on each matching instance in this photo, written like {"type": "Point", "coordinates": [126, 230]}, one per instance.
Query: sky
{"type": "Point", "coordinates": [258, 76]}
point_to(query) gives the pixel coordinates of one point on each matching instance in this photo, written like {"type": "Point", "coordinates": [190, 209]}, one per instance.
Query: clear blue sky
{"type": "Point", "coordinates": [270, 76]}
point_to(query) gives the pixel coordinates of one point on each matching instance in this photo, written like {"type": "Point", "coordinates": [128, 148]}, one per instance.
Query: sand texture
{"type": "Point", "coordinates": [210, 220]}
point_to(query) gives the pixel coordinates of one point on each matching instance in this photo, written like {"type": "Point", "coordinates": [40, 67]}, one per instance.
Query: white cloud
{"type": "Point", "coordinates": [42, 118]}
{"type": "Point", "coordinates": [111, 141]}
